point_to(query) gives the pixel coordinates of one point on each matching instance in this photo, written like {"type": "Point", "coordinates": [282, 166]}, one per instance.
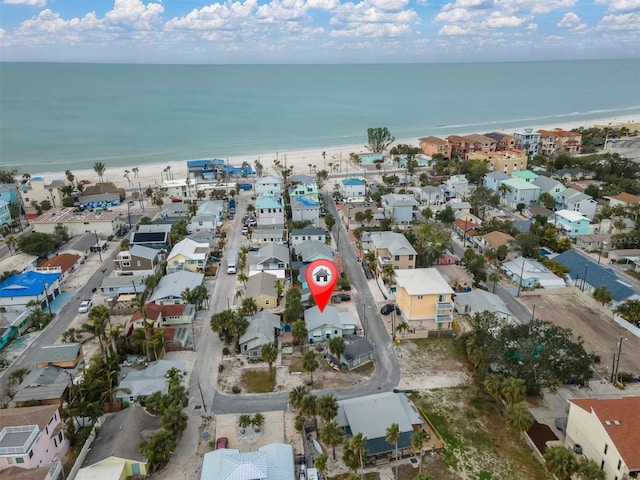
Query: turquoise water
{"type": "Point", "coordinates": [59, 116]}
{"type": "Point", "coordinates": [370, 158]}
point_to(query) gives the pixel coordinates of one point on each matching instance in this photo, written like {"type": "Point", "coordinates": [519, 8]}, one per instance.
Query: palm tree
{"type": "Point", "coordinates": [297, 394]}
{"type": "Point", "coordinates": [418, 438]}
{"type": "Point", "coordinates": [320, 463]}
{"type": "Point", "coordinates": [503, 190]}
{"type": "Point", "coordinates": [299, 332]}
{"type": "Point", "coordinates": [248, 307]}
{"type": "Point", "coordinates": [269, 353]}
{"type": "Point", "coordinates": [588, 469]}
{"type": "Point", "coordinates": [243, 278]}
{"type": "Point", "coordinates": [494, 277]}
{"type": "Point", "coordinates": [331, 435]}
{"type": "Point", "coordinates": [387, 273]}
{"type": "Point", "coordinates": [158, 448]}
{"type": "Point", "coordinates": [135, 171]}
{"type": "Point", "coordinates": [244, 420]}
{"type": "Point", "coordinates": [402, 327]}
{"type": "Point", "coordinates": [174, 419]}
{"type": "Point", "coordinates": [10, 242]}
{"type": "Point", "coordinates": [493, 385]}
{"type": "Point", "coordinates": [308, 408]}
{"type": "Point", "coordinates": [392, 437]}
{"type": "Point", "coordinates": [357, 446]}
{"type": "Point", "coordinates": [310, 363]}
{"type": "Point", "coordinates": [560, 461]}
{"type": "Point", "coordinates": [513, 390]}
{"type": "Point", "coordinates": [337, 347]}
{"type": "Point", "coordinates": [99, 168]}
{"type": "Point", "coordinates": [258, 420]}
{"type": "Point", "coordinates": [518, 417]}
{"type": "Point", "coordinates": [97, 327]}
{"type": "Point", "coordinates": [327, 407]}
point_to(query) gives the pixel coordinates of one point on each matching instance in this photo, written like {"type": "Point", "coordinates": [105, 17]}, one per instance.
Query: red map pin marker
{"type": "Point", "coordinates": [321, 277]}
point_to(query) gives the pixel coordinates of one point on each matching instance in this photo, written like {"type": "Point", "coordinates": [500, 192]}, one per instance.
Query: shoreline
{"type": "Point", "coordinates": [299, 160]}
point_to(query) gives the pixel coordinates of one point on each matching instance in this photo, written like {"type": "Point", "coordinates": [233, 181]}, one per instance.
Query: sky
{"type": "Point", "coordinates": [317, 31]}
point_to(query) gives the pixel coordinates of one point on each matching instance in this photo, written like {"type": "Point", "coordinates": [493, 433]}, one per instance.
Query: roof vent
{"type": "Point", "coordinates": [607, 423]}
{"type": "Point", "coordinates": [616, 422]}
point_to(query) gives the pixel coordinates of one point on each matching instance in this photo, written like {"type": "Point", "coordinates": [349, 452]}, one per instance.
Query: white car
{"type": "Point", "coordinates": [85, 306]}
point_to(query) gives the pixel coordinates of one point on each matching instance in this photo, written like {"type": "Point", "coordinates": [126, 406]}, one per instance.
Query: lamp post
{"type": "Point", "coordinates": [98, 245]}
{"type": "Point", "coordinates": [615, 378]}
{"type": "Point", "coordinates": [129, 203]}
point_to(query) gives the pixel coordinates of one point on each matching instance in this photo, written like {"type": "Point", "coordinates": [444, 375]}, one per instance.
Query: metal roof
{"type": "Point", "coordinates": [27, 284]}
{"type": "Point", "coordinates": [271, 462]}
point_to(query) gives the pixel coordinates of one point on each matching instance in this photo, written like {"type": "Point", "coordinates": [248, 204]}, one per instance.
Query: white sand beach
{"type": "Point", "coordinates": [150, 174]}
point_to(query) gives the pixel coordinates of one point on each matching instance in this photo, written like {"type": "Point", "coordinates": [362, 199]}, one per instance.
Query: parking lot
{"type": "Point", "coordinates": [600, 334]}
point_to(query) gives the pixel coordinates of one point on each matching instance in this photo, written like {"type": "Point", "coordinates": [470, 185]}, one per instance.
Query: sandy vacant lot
{"type": "Point", "coordinates": [600, 334]}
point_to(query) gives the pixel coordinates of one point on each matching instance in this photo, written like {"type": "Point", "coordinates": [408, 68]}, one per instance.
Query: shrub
{"type": "Point", "coordinates": [236, 389]}
{"type": "Point", "coordinates": [225, 351]}
{"type": "Point", "coordinates": [220, 368]}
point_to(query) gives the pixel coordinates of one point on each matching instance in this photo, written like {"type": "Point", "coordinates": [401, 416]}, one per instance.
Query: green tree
{"type": "Point", "coordinates": [513, 390]}
{"type": "Point", "coordinates": [431, 241]}
{"type": "Point", "coordinates": [602, 295]}
{"type": "Point", "coordinates": [518, 417]}
{"type": "Point", "coordinates": [337, 347]}
{"type": "Point", "coordinates": [248, 307]}
{"type": "Point", "coordinates": [528, 244]}
{"type": "Point", "coordinates": [357, 447]}
{"type": "Point", "coordinates": [588, 469]}
{"type": "Point", "coordinates": [494, 277]}
{"type": "Point", "coordinates": [560, 461]}
{"type": "Point", "coordinates": [393, 436]}
{"type": "Point", "coordinates": [481, 199]}
{"type": "Point", "coordinates": [37, 243]}
{"type": "Point", "coordinates": [297, 395]}
{"type": "Point", "coordinates": [493, 385]}
{"type": "Point", "coordinates": [547, 200]}
{"type": "Point", "coordinates": [229, 325]}
{"type": "Point", "coordinates": [293, 307]}
{"type": "Point", "coordinates": [99, 168]}
{"type": "Point", "coordinates": [10, 241]}
{"type": "Point", "coordinates": [320, 463]}
{"type": "Point", "coordinates": [379, 139]}
{"type": "Point", "coordinates": [630, 311]}
{"type": "Point", "coordinates": [299, 333]}
{"type": "Point", "coordinates": [327, 407]}
{"type": "Point", "coordinates": [329, 221]}
{"type": "Point", "coordinates": [158, 448]}
{"type": "Point", "coordinates": [310, 363]}
{"type": "Point", "coordinates": [418, 439]}
{"type": "Point", "coordinates": [244, 421]}
{"type": "Point", "coordinates": [269, 353]}
{"type": "Point", "coordinates": [446, 215]}
{"type": "Point", "coordinates": [331, 435]}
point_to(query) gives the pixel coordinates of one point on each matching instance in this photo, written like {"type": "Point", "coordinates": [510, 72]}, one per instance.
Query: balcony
{"type": "Point", "coordinates": [18, 440]}
{"type": "Point", "coordinates": [385, 261]}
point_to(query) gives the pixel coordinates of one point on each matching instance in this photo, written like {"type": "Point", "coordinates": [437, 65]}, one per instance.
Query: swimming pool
{"type": "Point", "coordinates": [370, 158]}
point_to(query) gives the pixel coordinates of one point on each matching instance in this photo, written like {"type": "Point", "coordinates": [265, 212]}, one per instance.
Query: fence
{"type": "Point", "coordinates": [83, 453]}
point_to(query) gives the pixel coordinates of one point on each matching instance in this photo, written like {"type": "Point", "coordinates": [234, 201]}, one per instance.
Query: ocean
{"type": "Point", "coordinates": [55, 117]}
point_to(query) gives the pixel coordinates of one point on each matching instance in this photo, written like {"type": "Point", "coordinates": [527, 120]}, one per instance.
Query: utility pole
{"type": "Point", "coordinates": [584, 277]}
{"type": "Point", "coordinates": [98, 246]}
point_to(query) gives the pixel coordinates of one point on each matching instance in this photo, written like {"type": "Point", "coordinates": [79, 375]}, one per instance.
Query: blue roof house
{"type": "Point", "coordinates": [587, 275]}
{"type": "Point", "coordinates": [305, 208]}
{"type": "Point", "coordinates": [19, 289]}
{"type": "Point", "coordinates": [270, 209]}
{"type": "Point", "coordinates": [353, 187]}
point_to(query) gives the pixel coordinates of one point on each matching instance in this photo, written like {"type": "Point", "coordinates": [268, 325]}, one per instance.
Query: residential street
{"type": "Point", "coordinates": [387, 369]}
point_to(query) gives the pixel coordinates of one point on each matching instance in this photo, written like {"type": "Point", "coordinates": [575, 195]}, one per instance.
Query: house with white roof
{"type": "Point", "coordinates": [575, 201]}
{"type": "Point", "coordinates": [271, 462]}
{"type": "Point", "coordinates": [571, 223]}
{"type": "Point", "coordinates": [530, 274]}
{"type": "Point", "coordinates": [330, 323]}
{"type": "Point", "coordinates": [145, 382]}
{"type": "Point", "coordinates": [269, 186]}
{"type": "Point", "coordinates": [478, 301]}
{"type": "Point", "coordinates": [393, 249]}
{"type": "Point", "coordinates": [425, 299]}
{"type": "Point", "coordinates": [189, 255]}
{"type": "Point", "coordinates": [353, 187]}
{"type": "Point", "coordinates": [272, 258]}
{"type": "Point", "coordinates": [457, 186]}
{"type": "Point", "coordinates": [520, 191]}
{"type": "Point", "coordinates": [270, 210]}
{"type": "Point", "coordinates": [493, 180]}
{"type": "Point", "coordinates": [399, 207]}
{"type": "Point", "coordinates": [430, 195]}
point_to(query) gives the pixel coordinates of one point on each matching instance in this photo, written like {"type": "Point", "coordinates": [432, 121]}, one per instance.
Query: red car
{"type": "Point", "coordinates": [222, 442]}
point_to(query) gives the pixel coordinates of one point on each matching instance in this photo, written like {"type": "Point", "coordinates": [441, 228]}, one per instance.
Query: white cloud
{"type": "Point", "coordinates": [322, 4]}
{"type": "Point", "coordinates": [454, 15]}
{"type": "Point", "coordinates": [226, 16]}
{"type": "Point", "coordinates": [571, 21]}
{"type": "Point", "coordinates": [469, 4]}
{"type": "Point", "coordinates": [498, 21]}
{"type": "Point", "coordinates": [536, 6]}
{"type": "Point", "coordinates": [389, 5]}
{"type": "Point", "coordinates": [620, 5]}
{"type": "Point", "coordinates": [28, 3]}
{"type": "Point", "coordinates": [627, 21]}
{"type": "Point", "coordinates": [455, 30]}
{"type": "Point", "coordinates": [134, 14]}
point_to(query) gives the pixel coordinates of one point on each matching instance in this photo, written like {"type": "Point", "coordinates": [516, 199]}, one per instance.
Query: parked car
{"type": "Point", "coordinates": [245, 230]}
{"type": "Point", "coordinates": [340, 297]}
{"type": "Point", "coordinates": [388, 308]}
{"type": "Point", "coordinates": [222, 442]}
{"type": "Point", "coordinates": [85, 306]}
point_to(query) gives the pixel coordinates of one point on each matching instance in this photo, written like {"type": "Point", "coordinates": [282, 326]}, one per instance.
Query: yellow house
{"type": "Point", "coordinates": [188, 255]}
{"type": "Point", "coordinates": [394, 249]}
{"type": "Point", "coordinates": [507, 161]}
{"type": "Point", "coordinates": [425, 299]}
{"type": "Point", "coordinates": [606, 431]}
{"type": "Point", "coordinates": [262, 288]}
{"type": "Point", "coordinates": [115, 454]}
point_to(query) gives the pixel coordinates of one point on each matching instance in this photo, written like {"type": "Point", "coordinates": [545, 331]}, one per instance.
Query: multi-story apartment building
{"type": "Point", "coordinates": [507, 161]}
{"type": "Point", "coordinates": [552, 141]}
{"type": "Point", "coordinates": [434, 145]}
{"type": "Point", "coordinates": [461, 147]}
{"type": "Point", "coordinates": [482, 143]}
{"type": "Point", "coordinates": [528, 140]}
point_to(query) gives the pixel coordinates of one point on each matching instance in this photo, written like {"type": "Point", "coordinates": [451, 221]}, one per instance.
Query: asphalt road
{"type": "Point", "coordinates": [59, 324]}
{"type": "Point", "coordinates": [387, 370]}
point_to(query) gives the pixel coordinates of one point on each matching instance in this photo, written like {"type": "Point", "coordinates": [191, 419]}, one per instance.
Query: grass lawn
{"type": "Point", "coordinates": [295, 364]}
{"type": "Point", "coordinates": [477, 440]}
{"type": "Point", "coordinates": [366, 369]}
{"type": "Point", "coordinates": [257, 381]}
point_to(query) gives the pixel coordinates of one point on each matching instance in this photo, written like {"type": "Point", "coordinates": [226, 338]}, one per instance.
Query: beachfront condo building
{"type": "Point", "coordinates": [506, 162]}
{"type": "Point", "coordinates": [503, 141]}
{"type": "Point", "coordinates": [528, 140]}
{"type": "Point", "coordinates": [482, 142]}
{"type": "Point", "coordinates": [461, 147]}
{"type": "Point", "coordinates": [38, 190]}
{"type": "Point", "coordinates": [434, 145]}
{"type": "Point", "coordinates": [558, 140]}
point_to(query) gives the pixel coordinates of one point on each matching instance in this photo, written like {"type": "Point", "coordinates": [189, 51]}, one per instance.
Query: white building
{"type": "Point", "coordinates": [269, 186]}
{"type": "Point", "coordinates": [270, 210]}
{"type": "Point", "coordinates": [457, 185]}
{"type": "Point", "coordinates": [528, 140]}
{"type": "Point", "coordinates": [353, 187]}
{"type": "Point", "coordinates": [104, 223]}
{"type": "Point", "coordinates": [399, 207]}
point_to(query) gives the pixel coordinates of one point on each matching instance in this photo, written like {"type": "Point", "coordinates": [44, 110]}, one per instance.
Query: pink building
{"type": "Point", "coordinates": [447, 258]}
{"type": "Point", "coordinates": [32, 437]}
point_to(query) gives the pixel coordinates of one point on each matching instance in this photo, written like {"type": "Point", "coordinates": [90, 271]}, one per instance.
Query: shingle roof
{"type": "Point", "coordinates": [261, 329]}
{"type": "Point", "coordinates": [261, 284]}
{"type": "Point", "coordinates": [396, 243]}
{"type": "Point", "coordinates": [58, 353]}
{"type": "Point", "coordinates": [355, 346]}
{"type": "Point", "coordinates": [143, 252]}
{"type": "Point", "coordinates": [434, 140]}
{"type": "Point", "coordinates": [121, 435]}
{"type": "Point", "coordinates": [547, 183]}
{"type": "Point", "coordinates": [173, 284]}
{"type": "Point", "coordinates": [497, 238]}
{"type": "Point", "coordinates": [626, 198]}
{"type": "Point", "coordinates": [15, 417]}
{"type": "Point", "coordinates": [314, 318]}
{"type": "Point", "coordinates": [312, 249]}
{"type": "Point", "coordinates": [497, 175]}
{"type": "Point", "coordinates": [624, 434]}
